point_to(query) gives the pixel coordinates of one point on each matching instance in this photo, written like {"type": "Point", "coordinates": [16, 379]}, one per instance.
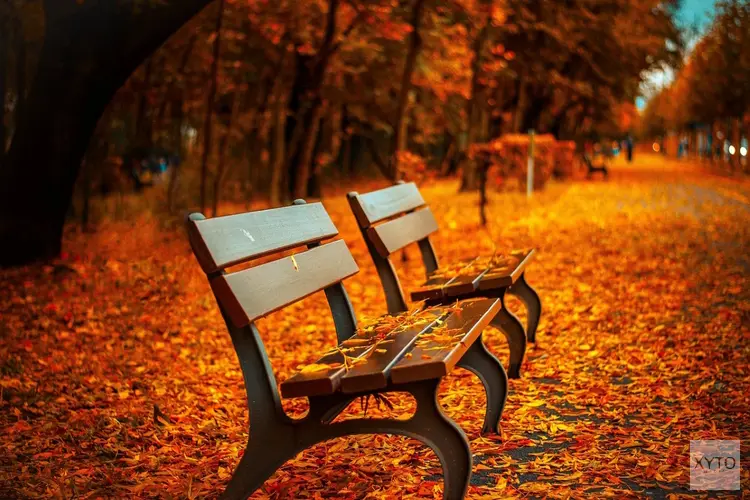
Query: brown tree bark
{"type": "Point", "coordinates": [20, 70]}
{"type": "Point", "coordinates": [221, 170]}
{"type": "Point", "coordinates": [277, 170]}
{"type": "Point", "coordinates": [3, 83]}
{"type": "Point", "coordinates": [143, 125]}
{"type": "Point", "coordinates": [208, 123]}
{"type": "Point", "coordinates": [469, 177]}
{"type": "Point", "coordinates": [304, 103]}
{"type": "Point", "coordinates": [414, 45]}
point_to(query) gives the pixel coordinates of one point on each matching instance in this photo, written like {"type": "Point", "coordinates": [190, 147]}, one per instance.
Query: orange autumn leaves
{"type": "Point", "coordinates": [643, 346]}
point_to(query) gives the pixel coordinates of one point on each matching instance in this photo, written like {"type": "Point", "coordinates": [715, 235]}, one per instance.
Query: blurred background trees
{"type": "Point", "coordinates": [706, 109]}
{"type": "Point", "coordinates": [258, 99]}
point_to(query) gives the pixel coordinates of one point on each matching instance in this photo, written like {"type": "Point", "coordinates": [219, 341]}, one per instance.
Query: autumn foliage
{"type": "Point", "coordinates": [118, 377]}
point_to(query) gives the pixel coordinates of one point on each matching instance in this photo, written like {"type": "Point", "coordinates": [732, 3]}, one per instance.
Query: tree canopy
{"type": "Point", "coordinates": [275, 96]}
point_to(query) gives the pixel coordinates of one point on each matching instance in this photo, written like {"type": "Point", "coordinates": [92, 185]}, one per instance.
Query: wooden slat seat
{"type": "Point", "coordinates": [467, 277]}
{"type": "Point", "coordinates": [412, 347]}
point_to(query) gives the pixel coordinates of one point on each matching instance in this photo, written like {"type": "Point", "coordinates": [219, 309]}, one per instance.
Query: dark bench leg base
{"type": "Point", "coordinates": [490, 371]}
{"type": "Point", "coordinates": [507, 323]}
{"type": "Point", "coordinates": [275, 443]}
{"type": "Point", "coordinates": [530, 298]}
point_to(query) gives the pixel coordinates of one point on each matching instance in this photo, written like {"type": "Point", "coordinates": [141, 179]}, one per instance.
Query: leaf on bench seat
{"type": "Point", "coordinates": [326, 374]}
{"type": "Point", "coordinates": [421, 345]}
{"type": "Point", "coordinates": [482, 273]}
{"type": "Point", "coordinates": [506, 271]}
{"type": "Point", "coordinates": [320, 367]}
{"type": "Point", "coordinates": [436, 353]}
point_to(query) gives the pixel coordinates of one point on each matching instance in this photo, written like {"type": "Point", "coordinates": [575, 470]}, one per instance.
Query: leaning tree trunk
{"type": "Point", "coordinates": [399, 132]}
{"type": "Point", "coordinates": [90, 49]}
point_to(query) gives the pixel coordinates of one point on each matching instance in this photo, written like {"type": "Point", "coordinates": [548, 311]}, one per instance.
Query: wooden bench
{"type": "Point", "coordinates": [592, 169]}
{"type": "Point", "coordinates": [410, 352]}
{"type": "Point", "coordinates": [394, 217]}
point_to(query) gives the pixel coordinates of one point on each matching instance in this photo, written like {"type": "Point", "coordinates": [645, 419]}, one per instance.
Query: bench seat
{"type": "Point", "coordinates": [409, 347]}
{"type": "Point", "coordinates": [467, 277]}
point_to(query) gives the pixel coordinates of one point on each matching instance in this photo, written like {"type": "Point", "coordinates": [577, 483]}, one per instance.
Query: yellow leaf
{"type": "Point", "coordinates": [315, 368]}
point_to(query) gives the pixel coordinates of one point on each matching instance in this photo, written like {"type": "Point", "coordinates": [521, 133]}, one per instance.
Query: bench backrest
{"type": "Point", "coordinates": [390, 219]}
{"type": "Point", "coordinates": [252, 293]}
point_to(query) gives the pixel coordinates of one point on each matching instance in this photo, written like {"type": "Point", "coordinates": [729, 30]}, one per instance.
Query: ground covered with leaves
{"type": "Point", "coordinates": [118, 378]}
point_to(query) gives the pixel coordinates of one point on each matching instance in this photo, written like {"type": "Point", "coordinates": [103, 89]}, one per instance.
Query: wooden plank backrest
{"type": "Point", "coordinates": [398, 233]}
{"type": "Point", "coordinates": [225, 241]}
{"type": "Point", "coordinates": [255, 292]}
{"type": "Point", "coordinates": [384, 203]}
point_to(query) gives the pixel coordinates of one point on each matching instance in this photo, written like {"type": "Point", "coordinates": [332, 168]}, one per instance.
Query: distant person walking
{"type": "Point", "coordinates": [629, 146]}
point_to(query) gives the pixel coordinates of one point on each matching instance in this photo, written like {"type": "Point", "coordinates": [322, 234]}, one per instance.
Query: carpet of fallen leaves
{"type": "Point", "coordinates": [118, 378]}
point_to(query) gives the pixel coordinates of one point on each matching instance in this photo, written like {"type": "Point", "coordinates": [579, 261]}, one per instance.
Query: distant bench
{"type": "Point", "coordinates": [591, 169]}
{"type": "Point", "coordinates": [410, 352]}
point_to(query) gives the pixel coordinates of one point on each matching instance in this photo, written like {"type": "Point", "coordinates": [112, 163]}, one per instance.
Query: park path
{"type": "Point", "coordinates": [643, 346]}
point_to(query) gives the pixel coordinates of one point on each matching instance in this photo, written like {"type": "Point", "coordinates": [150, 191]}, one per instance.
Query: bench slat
{"type": "Point", "coordinates": [225, 241]}
{"type": "Point", "coordinates": [373, 373]}
{"type": "Point", "coordinates": [324, 381]}
{"type": "Point", "coordinates": [436, 353]}
{"type": "Point", "coordinates": [504, 277]}
{"type": "Point", "coordinates": [432, 288]}
{"type": "Point", "coordinates": [321, 381]}
{"type": "Point", "coordinates": [398, 233]}
{"type": "Point", "coordinates": [379, 205]}
{"type": "Point", "coordinates": [463, 284]}
{"type": "Point", "coordinates": [253, 293]}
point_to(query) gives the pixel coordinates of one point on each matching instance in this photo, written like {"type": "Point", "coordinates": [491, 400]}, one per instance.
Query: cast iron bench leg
{"type": "Point", "coordinates": [276, 443]}
{"type": "Point", "coordinates": [262, 458]}
{"type": "Point", "coordinates": [490, 371]}
{"type": "Point", "coordinates": [428, 425]}
{"type": "Point", "coordinates": [530, 298]}
{"type": "Point", "coordinates": [507, 323]}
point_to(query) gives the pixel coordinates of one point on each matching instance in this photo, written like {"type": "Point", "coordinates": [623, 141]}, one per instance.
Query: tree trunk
{"type": "Point", "coordinates": [143, 125]}
{"type": "Point", "coordinates": [469, 181]}
{"type": "Point", "coordinates": [483, 168]}
{"type": "Point", "coordinates": [279, 124]}
{"type": "Point", "coordinates": [20, 71]}
{"type": "Point", "coordinates": [532, 115]}
{"type": "Point", "coordinates": [315, 180]}
{"type": "Point", "coordinates": [520, 105]}
{"type": "Point", "coordinates": [399, 133]}
{"type": "Point", "coordinates": [306, 157]}
{"type": "Point", "coordinates": [736, 137]}
{"type": "Point", "coordinates": [90, 48]}
{"type": "Point", "coordinates": [304, 104]}
{"type": "Point", "coordinates": [223, 148]}
{"type": "Point", "coordinates": [176, 149]}
{"type": "Point", "coordinates": [207, 124]}
{"type": "Point", "coordinates": [171, 86]}
{"type": "Point", "coordinates": [3, 89]}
